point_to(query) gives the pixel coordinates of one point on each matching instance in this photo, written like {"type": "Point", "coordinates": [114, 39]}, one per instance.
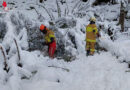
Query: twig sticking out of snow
{"type": "Point", "coordinates": [75, 6]}
{"type": "Point", "coordinates": [5, 61]}
{"type": "Point", "coordinates": [19, 64]}
{"type": "Point", "coordinates": [51, 16]}
{"type": "Point", "coordinates": [66, 69]}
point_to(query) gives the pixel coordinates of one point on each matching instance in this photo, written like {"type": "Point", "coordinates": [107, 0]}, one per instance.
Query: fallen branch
{"type": "Point", "coordinates": [66, 69]}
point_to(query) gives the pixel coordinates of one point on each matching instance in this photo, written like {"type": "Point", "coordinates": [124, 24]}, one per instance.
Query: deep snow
{"type": "Point", "coordinates": [99, 72]}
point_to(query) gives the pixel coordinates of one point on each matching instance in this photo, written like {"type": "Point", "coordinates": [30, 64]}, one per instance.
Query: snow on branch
{"type": "Point", "coordinates": [58, 8]}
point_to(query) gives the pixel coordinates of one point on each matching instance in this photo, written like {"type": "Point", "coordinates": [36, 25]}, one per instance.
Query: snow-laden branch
{"type": "Point", "coordinates": [58, 8]}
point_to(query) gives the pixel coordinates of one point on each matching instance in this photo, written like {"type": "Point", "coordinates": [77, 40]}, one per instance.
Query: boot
{"type": "Point", "coordinates": [88, 52]}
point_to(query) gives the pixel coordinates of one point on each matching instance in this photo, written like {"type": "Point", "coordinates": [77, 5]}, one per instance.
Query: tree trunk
{"type": "Point", "coordinates": [122, 17]}
{"type": "Point", "coordinates": [128, 1]}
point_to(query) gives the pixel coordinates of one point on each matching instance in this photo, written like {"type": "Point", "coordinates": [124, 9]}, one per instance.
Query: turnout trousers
{"type": "Point", "coordinates": [91, 47]}
{"type": "Point", "coordinates": [52, 49]}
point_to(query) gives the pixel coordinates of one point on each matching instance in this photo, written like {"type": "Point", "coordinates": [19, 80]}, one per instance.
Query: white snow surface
{"type": "Point", "coordinates": [99, 72]}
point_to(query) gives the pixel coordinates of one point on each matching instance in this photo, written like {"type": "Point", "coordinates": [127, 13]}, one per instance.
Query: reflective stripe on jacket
{"type": "Point", "coordinates": [90, 34]}
{"type": "Point", "coordinates": [49, 35]}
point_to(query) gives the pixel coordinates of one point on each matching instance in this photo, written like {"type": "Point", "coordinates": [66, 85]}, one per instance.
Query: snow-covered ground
{"type": "Point", "coordinates": [98, 72]}
{"type": "Point", "coordinates": [102, 71]}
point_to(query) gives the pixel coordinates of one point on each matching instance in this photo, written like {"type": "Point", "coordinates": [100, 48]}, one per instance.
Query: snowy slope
{"type": "Point", "coordinates": [99, 72]}
{"type": "Point", "coordinates": [91, 73]}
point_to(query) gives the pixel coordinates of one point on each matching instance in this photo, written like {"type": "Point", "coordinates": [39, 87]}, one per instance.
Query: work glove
{"type": "Point", "coordinates": [98, 35]}
{"type": "Point", "coordinates": [94, 31]}
{"type": "Point", "coordinates": [52, 40]}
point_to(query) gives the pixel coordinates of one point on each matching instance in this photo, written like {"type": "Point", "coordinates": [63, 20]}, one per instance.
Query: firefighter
{"type": "Point", "coordinates": [50, 40]}
{"type": "Point", "coordinates": [91, 33]}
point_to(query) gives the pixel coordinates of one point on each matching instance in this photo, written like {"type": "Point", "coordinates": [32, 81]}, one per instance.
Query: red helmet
{"type": "Point", "coordinates": [42, 27]}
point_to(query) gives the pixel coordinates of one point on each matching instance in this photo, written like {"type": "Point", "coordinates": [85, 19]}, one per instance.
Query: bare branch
{"type": "Point", "coordinates": [19, 64]}
{"type": "Point", "coordinates": [50, 15]}
{"type": "Point", "coordinates": [85, 6]}
{"type": "Point", "coordinates": [5, 59]}
{"type": "Point", "coordinates": [67, 9]}
{"type": "Point", "coordinates": [17, 48]}
{"type": "Point", "coordinates": [58, 8]}
{"type": "Point", "coordinates": [66, 69]}
{"type": "Point", "coordinates": [75, 6]}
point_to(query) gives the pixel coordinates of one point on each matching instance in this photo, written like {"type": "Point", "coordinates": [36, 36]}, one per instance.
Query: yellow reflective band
{"type": "Point", "coordinates": [89, 40]}
{"type": "Point", "coordinates": [51, 35]}
{"type": "Point", "coordinates": [89, 29]}
{"type": "Point", "coordinates": [92, 50]}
